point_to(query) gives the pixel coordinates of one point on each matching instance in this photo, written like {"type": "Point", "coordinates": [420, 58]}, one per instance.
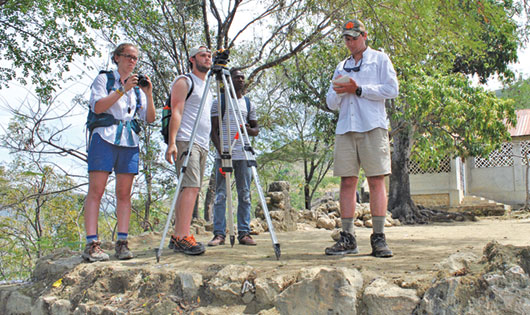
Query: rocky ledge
{"type": "Point", "coordinates": [496, 283]}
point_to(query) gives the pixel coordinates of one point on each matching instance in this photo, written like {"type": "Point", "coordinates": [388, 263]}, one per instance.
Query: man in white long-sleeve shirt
{"type": "Point", "coordinates": [361, 84]}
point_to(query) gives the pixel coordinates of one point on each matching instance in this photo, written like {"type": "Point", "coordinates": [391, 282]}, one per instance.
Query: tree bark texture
{"type": "Point", "coordinates": [400, 202]}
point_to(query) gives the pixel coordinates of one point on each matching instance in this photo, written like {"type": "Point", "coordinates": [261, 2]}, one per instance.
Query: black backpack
{"type": "Point", "coordinates": [166, 112]}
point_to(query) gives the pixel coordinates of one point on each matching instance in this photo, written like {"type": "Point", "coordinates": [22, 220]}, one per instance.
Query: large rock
{"type": "Point", "coordinates": [268, 288]}
{"type": "Point", "coordinates": [278, 201]}
{"type": "Point", "coordinates": [279, 186]}
{"type": "Point", "coordinates": [381, 297]}
{"type": "Point", "coordinates": [324, 222]}
{"type": "Point", "coordinates": [458, 262]}
{"type": "Point", "coordinates": [14, 302]}
{"type": "Point", "coordinates": [501, 287]}
{"type": "Point", "coordinates": [321, 290]}
{"type": "Point", "coordinates": [61, 307]}
{"type": "Point", "coordinates": [228, 283]}
{"type": "Point", "coordinates": [53, 266]}
{"type": "Point", "coordinates": [188, 284]}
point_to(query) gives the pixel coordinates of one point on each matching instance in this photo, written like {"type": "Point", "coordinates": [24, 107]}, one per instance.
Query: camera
{"type": "Point", "coordinates": [221, 57]}
{"type": "Point", "coordinates": [142, 80]}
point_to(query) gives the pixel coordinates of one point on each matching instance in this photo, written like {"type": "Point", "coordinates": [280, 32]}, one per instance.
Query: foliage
{"type": "Point", "coordinates": [519, 92]}
{"type": "Point", "coordinates": [498, 37]}
{"type": "Point", "coordinates": [305, 110]}
{"type": "Point", "coordinates": [449, 116]}
{"type": "Point", "coordinates": [472, 37]}
{"type": "Point", "coordinates": [40, 212]}
{"type": "Point", "coordinates": [37, 36]}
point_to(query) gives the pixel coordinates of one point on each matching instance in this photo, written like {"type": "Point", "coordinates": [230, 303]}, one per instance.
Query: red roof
{"type": "Point", "coordinates": [523, 124]}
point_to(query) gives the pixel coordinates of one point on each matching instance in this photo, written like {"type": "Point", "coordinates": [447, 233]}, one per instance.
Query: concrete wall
{"type": "Point", "coordinates": [440, 189]}
{"type": "Point", "coordinates": [502, 184]}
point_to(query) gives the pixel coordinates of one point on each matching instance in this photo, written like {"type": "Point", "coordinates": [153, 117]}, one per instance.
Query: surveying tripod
{"type": "Point", "coordinates": [222, 74]}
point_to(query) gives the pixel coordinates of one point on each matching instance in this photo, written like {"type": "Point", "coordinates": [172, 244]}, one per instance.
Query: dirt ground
{"type": "Point", "coordinates": [417, 250]}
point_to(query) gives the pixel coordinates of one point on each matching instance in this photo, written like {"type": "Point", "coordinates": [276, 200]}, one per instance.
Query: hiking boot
{"type": "Point", "coordinates": [172, 242]}
{"type": "Point", "coordinates": [122, 250]}
{"type": "Point", "coordinates": [93, 252]}
{"type": "Point", "coordinates": [245, 239]}
{"type": "Point", "coordinates": [379, 246]}
{"type": "Point", "coordinates": [217, 240]}
{"type": "Point", "coordinates": [345, 245]}
{"type": "Point", "coordinates": [189, 246]}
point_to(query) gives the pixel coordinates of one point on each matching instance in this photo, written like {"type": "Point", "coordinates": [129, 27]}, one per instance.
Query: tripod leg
{"type": "Point", "coordinates": [226, 161]}
{"type": "Point", "coordinates": [249, 156]}
{"type": "Point", "coordinates": [275, 243]}
{"type": "Point", "coordinates": [229, 208]}
{"type": "Point", "coordinates": [158, 251]}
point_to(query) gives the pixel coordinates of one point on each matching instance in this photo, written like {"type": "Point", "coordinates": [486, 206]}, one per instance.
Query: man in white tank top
{"type": "Point", "coordinates": [184, 112]}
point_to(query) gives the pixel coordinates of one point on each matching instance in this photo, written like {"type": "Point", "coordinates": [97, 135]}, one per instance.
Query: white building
{"type": "Point", "coordinates": [500, 177]}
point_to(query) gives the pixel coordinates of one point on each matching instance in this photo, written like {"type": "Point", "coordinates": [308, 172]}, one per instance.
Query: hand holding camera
{"type": "Point", "coordinates": [137, 80]}
{"type": "Point", "coordinates": [143, 80]}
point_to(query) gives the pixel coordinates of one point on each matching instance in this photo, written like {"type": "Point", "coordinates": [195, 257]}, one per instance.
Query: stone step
{"type": "Point", "coordinates": [481, 206]}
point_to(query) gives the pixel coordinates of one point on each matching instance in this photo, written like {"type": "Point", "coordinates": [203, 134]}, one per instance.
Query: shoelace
{"type": "Point", "coordinates": [95, 247]}
{"type": "Point", "coordinates": [379, 241]}
{"type": "Point", "coordinates": [189, 240]}
{"type": "Point", "coordinates": [121, 245]}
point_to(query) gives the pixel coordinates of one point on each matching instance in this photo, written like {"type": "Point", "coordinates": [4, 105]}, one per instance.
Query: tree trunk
{"type": "Point", "coordinates": [148, 176]}
{"type": "Point", "coordinates": [400, 203]}
{"type": "Point", "coordinates": [210, 197]}
{"type": "Point", "coordinates": [307, 196]}
{"type": "Point", "coordinates": [146, 225]}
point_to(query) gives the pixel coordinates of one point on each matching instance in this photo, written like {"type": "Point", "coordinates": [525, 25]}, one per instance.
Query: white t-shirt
{"type": "Point", "coordinates": [191, 110]}
{"type": "Point", "coordinates": [237, 150]}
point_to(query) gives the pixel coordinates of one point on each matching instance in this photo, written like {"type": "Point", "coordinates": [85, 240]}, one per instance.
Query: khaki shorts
{"type": "Point", "coordinates": [196, 164]}
{"type": "Point", "coordinates": [369, 150]}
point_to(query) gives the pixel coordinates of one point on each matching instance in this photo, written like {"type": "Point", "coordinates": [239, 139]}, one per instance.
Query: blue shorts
{"type": "Point", "coordinates": [103, 156]}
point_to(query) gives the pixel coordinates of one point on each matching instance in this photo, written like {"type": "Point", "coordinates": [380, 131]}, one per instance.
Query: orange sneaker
{"type": "Point", "coordinates": [189, 246]}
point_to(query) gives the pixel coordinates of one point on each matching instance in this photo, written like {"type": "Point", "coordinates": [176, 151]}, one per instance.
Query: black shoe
{"type": "Point", "coordinates": [172, 242]}
{"type": "Point", "coordinates": [346, 245]}
{"type": "Point", "coordinates": [379, 246]}
{"type": "Point", "coordinates": [189, 246]}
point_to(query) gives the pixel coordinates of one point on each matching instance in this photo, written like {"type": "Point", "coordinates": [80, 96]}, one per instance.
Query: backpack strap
{"type": "Point", "coordinates": [168, 101]}
{"type": "Point", "coordinates": [138, 99]}
{"type": "Point", "coordinates": [192, 85]}
{"type": "Point", "coordinates": [166, 111]}
{"type": "Point", "coordinates": [247, 101]}
{"type": "Point", "coordinates": [110, 80]}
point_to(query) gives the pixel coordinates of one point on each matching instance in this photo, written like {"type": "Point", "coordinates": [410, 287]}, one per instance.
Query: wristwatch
{"type": "Point", "coordinates": [359, 91]}
{"type": "Point", "coordinates": [120, 91]}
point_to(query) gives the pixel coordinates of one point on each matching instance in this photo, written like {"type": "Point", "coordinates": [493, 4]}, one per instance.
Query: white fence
{"type": "Point", "coordinates": [500, 177]}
